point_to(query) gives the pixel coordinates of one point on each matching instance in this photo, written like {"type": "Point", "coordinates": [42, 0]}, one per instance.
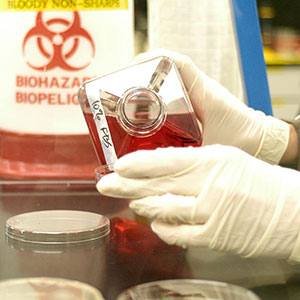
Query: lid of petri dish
{"type": "Point", "coordinates": [187, 289]}
{"type": "Point", "coordinates": [57, 227]}
{"type": "Point", "coordinates": [47, 288]}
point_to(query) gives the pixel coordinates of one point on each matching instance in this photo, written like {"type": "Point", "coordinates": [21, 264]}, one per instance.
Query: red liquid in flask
{"type": "Point", "coordinates": [178, 130]}
{"type": "Point", "coordinates": [137, 255]}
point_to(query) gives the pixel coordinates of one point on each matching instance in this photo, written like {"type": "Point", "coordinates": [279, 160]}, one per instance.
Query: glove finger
{"type": "Point", "coordinates": [189, 173]}
{"type": "Point", "coordinates": [156, 163]}
{"type": "Point", "coordinates": [116, 186]}
{"type": "Point", "coordinates": [182, 235]}
{"type": "Point", "coordinates": [113, 185]}
{"type": "Point", "coordinates": [168, 208]}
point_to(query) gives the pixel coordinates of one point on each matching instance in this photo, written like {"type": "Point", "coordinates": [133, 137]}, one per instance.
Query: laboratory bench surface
{"type": "Point", "coordinates": [132, 254]}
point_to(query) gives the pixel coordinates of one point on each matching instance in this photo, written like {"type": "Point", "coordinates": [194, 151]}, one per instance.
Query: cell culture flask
{"type": "Point", "coordinates": [142, 106]}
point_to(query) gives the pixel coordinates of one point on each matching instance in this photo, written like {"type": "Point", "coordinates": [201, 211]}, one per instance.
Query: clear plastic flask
{"type": "Point", "coordinates": [142, 106]}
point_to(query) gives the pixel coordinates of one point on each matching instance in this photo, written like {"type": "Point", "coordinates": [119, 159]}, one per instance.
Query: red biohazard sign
{"type": "Point", "coordinates": [57, 47]}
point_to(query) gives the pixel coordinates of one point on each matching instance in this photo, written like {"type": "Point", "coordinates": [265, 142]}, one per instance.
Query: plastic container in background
{"type": "Point", "coordinates": [60, 243]}
{"type": "Point", "coordinates": [47, 288]}
{"type": "Point", "coordinates": [142, 106]}
{"type": "Point", "coordinates": [187, 289]}
{"type": "Point", "coordinates": [56, 46]}
{"type": "Point", "coordinates": [57, 227]}
{"type": "Point", "coordinates": [205, 33]}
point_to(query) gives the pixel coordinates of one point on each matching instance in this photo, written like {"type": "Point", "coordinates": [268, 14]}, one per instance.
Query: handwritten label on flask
{"type": "Point", "coordinates": [101, 124]}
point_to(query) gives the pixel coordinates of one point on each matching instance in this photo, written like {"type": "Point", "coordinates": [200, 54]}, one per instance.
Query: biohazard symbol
{"type": "Point", "coordinates": [57, 55]}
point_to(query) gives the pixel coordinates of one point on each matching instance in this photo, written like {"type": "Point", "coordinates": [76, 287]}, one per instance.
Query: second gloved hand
{"type": "Point", "coordinates": [225, 119]}
{"type": "Point", "coordinates": [214, 196]}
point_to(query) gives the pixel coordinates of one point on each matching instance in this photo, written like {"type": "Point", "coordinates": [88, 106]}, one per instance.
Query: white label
{"type": "Point", "coordinates": [103, 131]}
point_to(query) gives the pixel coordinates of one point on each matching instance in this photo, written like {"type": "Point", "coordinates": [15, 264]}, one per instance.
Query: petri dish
{"type": "Point", "coordinates": [57, 227]}
{"type": "Point", "coordinates": [47, 288]}
{"type": "Point", "coordinates": [187, 289]}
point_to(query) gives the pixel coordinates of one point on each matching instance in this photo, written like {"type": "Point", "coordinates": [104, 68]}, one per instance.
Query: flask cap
{"type": "Point", "coordinates": [141, 111]}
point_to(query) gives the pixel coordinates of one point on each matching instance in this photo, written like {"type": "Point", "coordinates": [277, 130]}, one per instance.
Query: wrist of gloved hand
{"type": "Point", "coordinates": [291, 157]}
{"type": "Point", "coordinates": [214, 196]}
{"type": "Point", "coordinates": [274, 140]}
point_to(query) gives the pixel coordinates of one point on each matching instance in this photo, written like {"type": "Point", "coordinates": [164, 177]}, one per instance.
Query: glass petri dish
{"type": "Point", "coordinates": [47, 288]}
{"type": "Point", "coordinates": [57, 227]}
{"type": "Point", "coordinates": [187, 289]}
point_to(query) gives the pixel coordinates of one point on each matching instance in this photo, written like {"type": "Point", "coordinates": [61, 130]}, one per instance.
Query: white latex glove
{"type": "Point", "coordinates": [225, 119]}
{"type": "Point", "coordinates": [214, 196]}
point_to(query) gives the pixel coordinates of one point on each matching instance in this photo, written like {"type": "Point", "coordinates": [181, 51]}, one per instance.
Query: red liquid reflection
{"type": "Point", "coordinates": [138, 255]}
{"type": "Point", "coordinates": [179, 130]}
{"type": "Point", "coordinates": [32, 156]}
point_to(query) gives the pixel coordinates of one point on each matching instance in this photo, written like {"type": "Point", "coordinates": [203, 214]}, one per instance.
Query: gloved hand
{"type": "Point", "coordinates": [213, 196]}
{"type": "Point", "coordinates": [225, 119]}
